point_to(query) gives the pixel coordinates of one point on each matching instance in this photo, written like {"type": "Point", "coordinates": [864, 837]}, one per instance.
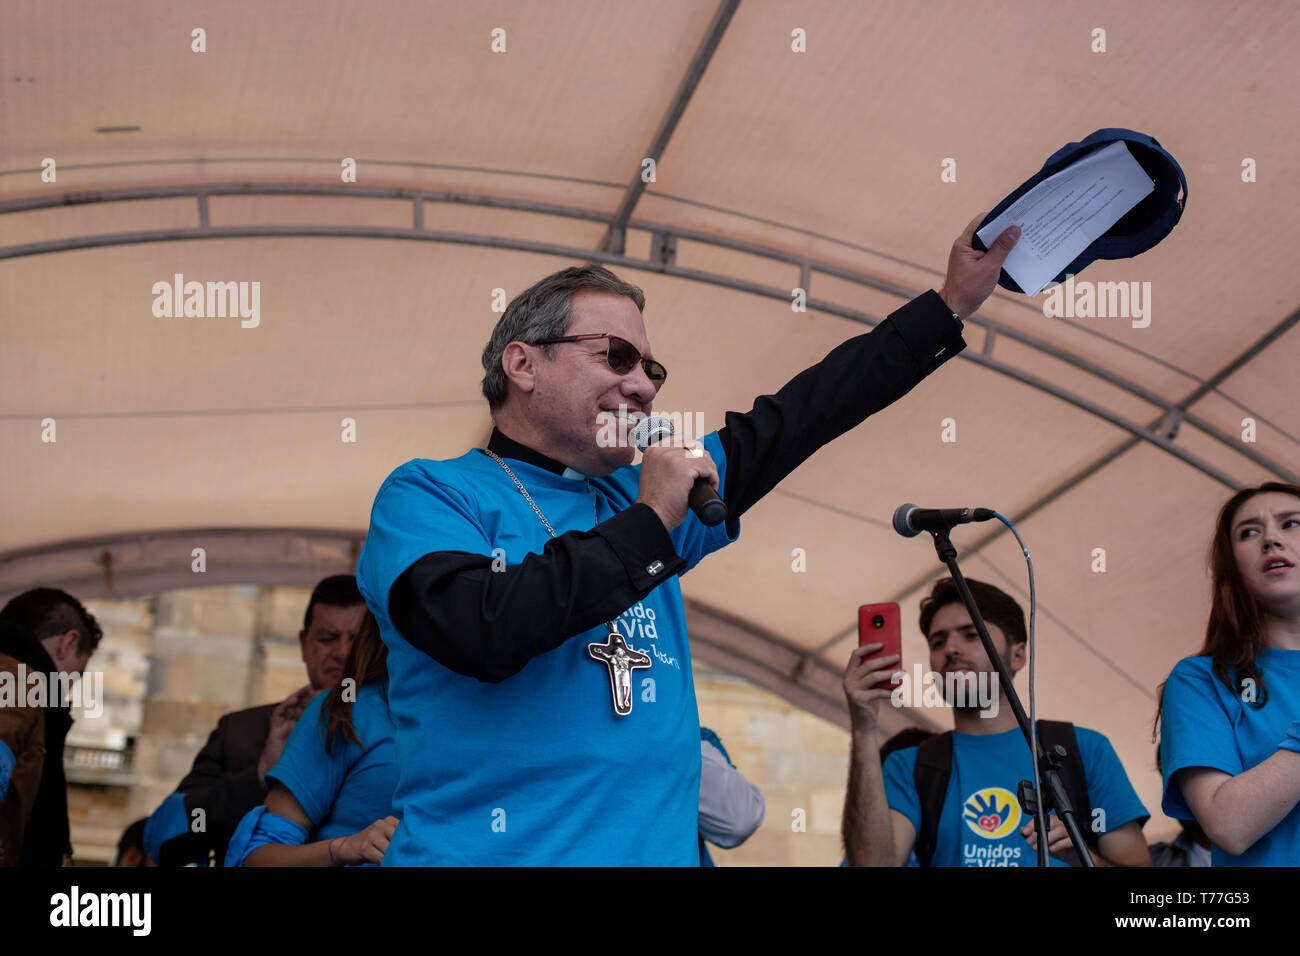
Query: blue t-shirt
{"type": "Point", "coordinates": [536, 769]}
{"type": "Point", "coordinates": [346, 790]}
{"type": "Point", "coordinates": [981, 819]}
{"type": "Point", "coordinates": [1204, 724]}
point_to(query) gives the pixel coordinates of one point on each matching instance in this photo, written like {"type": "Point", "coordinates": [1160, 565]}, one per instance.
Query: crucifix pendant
{"type": "Point", "coordinates": [621, 661]}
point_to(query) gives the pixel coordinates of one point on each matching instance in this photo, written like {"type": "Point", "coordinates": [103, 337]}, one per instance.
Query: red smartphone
{"type": "Point", "coordinates": [879, 624]}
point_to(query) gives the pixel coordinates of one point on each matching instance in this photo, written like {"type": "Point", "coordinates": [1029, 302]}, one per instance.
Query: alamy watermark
{"type": "Point", "coordinates": [213, 300]}
{"type": "Point", "coordinates": [964, 690]}
{"type": "Point", "coordinates": [617, 427]}
{"type": "Point", "coordinates": [37, 689]}
{"type": "Point", "coordinates": [77, 909]}
{"type": "Point", "coordinates": [1101, 300]}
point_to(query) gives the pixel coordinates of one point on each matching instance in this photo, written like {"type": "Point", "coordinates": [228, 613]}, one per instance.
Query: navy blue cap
{"type": "Point", "coordinates": [1138, 229]}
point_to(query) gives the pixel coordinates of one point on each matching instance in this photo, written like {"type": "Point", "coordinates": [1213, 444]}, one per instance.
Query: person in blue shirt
{"type": "Point", "coordinates": [731, 807]}
{"type": "Point", "coordinates": [331, 792]}
{"type": "Point", "coordinates": [529, 594]}
{"type": "Point", "coordinates": [1230, 744]}
{"type": "Point", "coordinates": [980, 822]}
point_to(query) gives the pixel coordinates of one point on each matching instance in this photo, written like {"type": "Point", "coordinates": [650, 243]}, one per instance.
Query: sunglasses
{"type": "Point", "coordinates": [622, 355]}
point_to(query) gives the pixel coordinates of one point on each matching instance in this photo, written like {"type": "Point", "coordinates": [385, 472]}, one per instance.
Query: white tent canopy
{"type": "Point", "coordinates": [479, 171]}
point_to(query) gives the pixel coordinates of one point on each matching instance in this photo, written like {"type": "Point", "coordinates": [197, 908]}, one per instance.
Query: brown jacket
{"type": "Point", "coordinates": [22, 733]}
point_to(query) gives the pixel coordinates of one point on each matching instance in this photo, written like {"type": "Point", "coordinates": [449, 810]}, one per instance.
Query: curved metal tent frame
{"type": "Point", "coordinates": [662, 259]}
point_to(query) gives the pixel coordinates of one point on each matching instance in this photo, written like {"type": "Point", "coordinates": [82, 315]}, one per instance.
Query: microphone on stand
{"type": "Point", "coordinates": [909, 520]}
{"type": "Point", "coordinates": [704, 501]}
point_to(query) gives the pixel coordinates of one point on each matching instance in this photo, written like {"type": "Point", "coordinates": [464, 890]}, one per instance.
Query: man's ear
{"type": "Point", "coordinates": [67, 644]}
{"type": "Point", "coordinates": [1018, 657]}
{"type": "Point", "coordinates": [302, 643]}
{"type": "Point", "coordinates": [518, 362]}
{"type": "Point", "coordinates": [61, 647]}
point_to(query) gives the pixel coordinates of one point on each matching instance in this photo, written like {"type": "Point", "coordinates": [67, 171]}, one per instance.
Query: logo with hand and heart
{"type": "Point", "coordinates": [992, 812]}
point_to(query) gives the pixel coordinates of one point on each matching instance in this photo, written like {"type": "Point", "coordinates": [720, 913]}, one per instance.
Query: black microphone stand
{"type": "Point", "coordinates": [1049, 763]}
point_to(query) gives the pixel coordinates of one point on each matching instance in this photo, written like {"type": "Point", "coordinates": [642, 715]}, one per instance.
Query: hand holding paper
{"type": "Point", "coordinates": [973, 273]}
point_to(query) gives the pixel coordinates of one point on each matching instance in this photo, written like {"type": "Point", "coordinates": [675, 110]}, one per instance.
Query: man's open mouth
{"type": "Point", "coordinates": [629, 415]}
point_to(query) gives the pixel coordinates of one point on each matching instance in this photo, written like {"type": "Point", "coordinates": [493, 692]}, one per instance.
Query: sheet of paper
{"type": "Point", "coordinates": [1062, 215]}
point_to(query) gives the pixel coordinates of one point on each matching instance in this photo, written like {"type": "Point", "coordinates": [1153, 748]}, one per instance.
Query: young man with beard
{"type": "Point", "coordinates": [953, 798]}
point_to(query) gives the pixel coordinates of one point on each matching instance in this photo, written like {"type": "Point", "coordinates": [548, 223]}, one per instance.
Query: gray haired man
{"type": "Point", "coordinates": [539, 668]}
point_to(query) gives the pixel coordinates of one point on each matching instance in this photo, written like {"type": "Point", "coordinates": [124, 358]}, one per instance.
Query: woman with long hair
{"type": "Point", "coordinates": [330, 802]}
{"type": "Point", "coordinates": [1230, 748]}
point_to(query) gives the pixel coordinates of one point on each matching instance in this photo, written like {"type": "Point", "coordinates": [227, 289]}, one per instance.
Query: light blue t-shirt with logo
{"type": "Point", "coordinates": [981, 819]}
{"type": "Point", "coordinates": [1205, 724]}
{"type": "Point", "coordinates": [537, 769]}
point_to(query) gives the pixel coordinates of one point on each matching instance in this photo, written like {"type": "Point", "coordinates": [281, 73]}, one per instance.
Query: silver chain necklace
{"type": "Point", "coordinates": [614, 653]}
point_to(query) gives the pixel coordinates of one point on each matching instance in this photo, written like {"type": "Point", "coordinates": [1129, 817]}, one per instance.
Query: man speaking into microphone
{"type": "Point", "coordinates": [539, 670]}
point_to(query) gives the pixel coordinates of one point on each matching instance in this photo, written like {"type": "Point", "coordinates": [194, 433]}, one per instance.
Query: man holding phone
{"type": "Point", "coordinates": [953, 798]}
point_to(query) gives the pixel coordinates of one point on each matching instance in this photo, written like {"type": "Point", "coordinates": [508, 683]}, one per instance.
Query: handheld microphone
{"type": "Point", "coordinates": [909, 520]}
{"type": "Point", "coordinates": [704, 501]}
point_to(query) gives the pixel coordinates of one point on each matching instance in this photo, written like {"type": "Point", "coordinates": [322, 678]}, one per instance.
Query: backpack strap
{"type": "Point", "coordinates": [930, 774]}
{"type": "Point", "coordinates": [1073, 776]}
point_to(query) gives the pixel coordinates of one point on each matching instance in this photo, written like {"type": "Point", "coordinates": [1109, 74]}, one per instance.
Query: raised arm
{"type": "Point", "coordinates": [487, 622]}
{"type": "Point", "coordinates": [874, 834]}
{"type": "Point", "coordinates": [859, 377]}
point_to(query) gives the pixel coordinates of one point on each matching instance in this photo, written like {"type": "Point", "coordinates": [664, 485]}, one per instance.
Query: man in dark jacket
{"type": "Point", "coordinates": [46, 637]}
{"type": "Point", "coordinates": [228, 778]}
